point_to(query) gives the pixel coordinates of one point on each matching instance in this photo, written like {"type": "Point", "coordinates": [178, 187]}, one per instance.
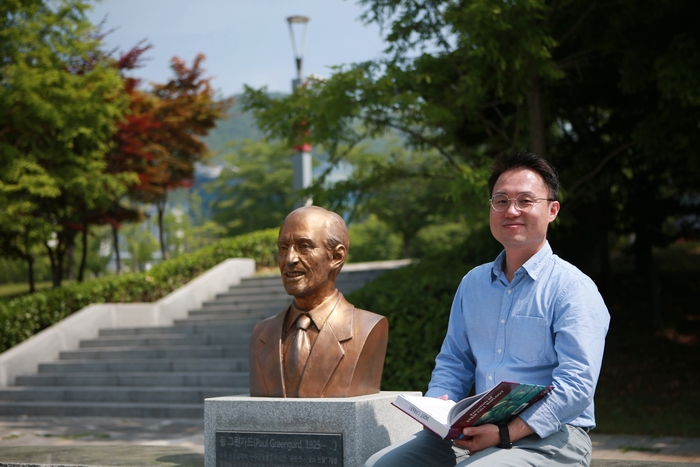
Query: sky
{"type": "Point", "coordinates": [245, 41]}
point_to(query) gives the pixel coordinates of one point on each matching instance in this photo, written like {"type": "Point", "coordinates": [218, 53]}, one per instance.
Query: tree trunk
{"type": "Point", "coordinates": [538, 133]}
{"type": "Point", "coordinates": [60, 256]}
{"type": "Point", "coordinates": [70, 257]}
{"type": "Point", "coordinates": [30, 273]}
{"type": "Point", "coordinates": [117, 257]}
{"type": "Point", "coordinates": [83, 259]}
{"type": "Point", "coordinates": [56, 269]}
{"type": "Point", "coordinates": [30, 262]}
{"type": "Point", "coordinates": [407, 241]}
{"type": "Point", "coordinates": [160, 204]}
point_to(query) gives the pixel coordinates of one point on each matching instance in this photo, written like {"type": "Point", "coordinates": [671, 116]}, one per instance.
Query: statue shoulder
{"type": "Point", "coordinates": [368, 316]}
{"type": "Point", "coordinates": [273, 324]}
{"type": "Point", "coordinates": [371, 323]}
{"type": "Point", "coordinates": [363, 316]}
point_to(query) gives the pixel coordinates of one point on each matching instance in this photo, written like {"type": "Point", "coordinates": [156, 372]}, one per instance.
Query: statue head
{"type": "Point", "coordinates": [312, 247]}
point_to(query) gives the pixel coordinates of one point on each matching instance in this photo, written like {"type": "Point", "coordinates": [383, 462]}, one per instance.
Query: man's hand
{"type": "Point", "coordinates": [478, 438]}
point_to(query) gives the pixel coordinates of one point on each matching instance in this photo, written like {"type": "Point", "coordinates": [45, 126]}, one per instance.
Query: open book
{"type": "Point", "coordinates": [447, 418]}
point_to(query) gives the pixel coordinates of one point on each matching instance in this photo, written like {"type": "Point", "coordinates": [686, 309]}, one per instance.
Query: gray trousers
{"type": "Point", "coordinates": [569, 446]}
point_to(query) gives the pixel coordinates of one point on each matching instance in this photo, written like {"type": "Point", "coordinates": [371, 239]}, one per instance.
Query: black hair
{"type": "Point", "coordinates": [530, 161]}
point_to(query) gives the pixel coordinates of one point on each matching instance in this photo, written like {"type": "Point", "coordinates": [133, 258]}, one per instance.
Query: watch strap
{"type": "Point", "coordinates": [505, 436]}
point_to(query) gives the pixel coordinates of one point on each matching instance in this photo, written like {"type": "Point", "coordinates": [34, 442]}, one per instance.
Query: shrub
{"type": "Point", "coordinates": [416, 300]}
{"type": "Point", "coordinates": [436, 241]}
{"type": "Point", "coordinates": [373, 240]}
{"type": "Point", "coordinates": [22, 317]}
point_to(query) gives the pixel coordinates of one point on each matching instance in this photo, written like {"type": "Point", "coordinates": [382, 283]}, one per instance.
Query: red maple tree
{"type": "Point", "coordinates": [161, 139]}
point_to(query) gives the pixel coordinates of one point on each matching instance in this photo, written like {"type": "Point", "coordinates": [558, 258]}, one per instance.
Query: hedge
{"type": "Point", "coordinates": [416, 300]}
{"type": "Point", "coordinates": [22, 317]}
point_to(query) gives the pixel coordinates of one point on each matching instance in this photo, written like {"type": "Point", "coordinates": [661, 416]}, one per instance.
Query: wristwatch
{"type": "Point", "coordinates": [505, 436]}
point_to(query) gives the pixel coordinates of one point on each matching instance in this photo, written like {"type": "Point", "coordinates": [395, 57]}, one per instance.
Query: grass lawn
{"type": "Point", "coordinates": [12, 290]}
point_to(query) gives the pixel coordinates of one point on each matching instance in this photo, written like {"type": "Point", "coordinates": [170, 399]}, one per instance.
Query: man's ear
{"type": "Point", "coordinates": [338, 256]}
{"type": "Point", "coordinates": [554, 207]}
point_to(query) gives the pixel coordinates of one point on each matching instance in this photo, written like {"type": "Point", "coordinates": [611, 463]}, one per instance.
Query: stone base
{"type": "Point", "coordinates": [366, 423]}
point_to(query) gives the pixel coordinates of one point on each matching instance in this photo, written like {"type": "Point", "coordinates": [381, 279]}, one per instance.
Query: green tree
{"type": "Point", "coordinates": [254, 190]}
{"type": "Point", "coordinates": [99, 250]}
{"type": "Point", "coordinates": [406, 190]}
{"type": "Point", "coordinates": [141, 244]}
{"type": "Point", "coordinates": [373, 240]}
{"type": "Point", "coordinates": [606, 90]}
{"type": "Point", "coordinates": [59, 104]}
{"type": "Point", "coordinates": [185, 110]}
{"type": "Point", "coordinates": [184, 235]}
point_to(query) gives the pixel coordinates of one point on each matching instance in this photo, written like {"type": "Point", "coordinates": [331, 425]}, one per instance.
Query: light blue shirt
{"type": "Point", "coordinates": [547, 326]}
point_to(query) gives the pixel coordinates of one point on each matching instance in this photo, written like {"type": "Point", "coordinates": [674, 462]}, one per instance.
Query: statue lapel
{"type": "Point", "coordinates": [270, 355]}
{"type": "Point", "coordinates": [327, 351]}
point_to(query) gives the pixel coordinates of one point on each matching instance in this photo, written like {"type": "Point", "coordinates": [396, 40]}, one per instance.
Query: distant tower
{"type": "Point", "coordinates": [302, 158]}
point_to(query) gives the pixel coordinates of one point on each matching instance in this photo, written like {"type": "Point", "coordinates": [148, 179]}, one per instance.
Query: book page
{"type": "Point", "coordinates": [436, 408]}
{"type": "Point", "coordinates": [462, 406]}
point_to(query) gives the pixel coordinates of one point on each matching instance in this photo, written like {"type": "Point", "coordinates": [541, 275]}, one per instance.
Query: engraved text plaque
{"type": "Point", "coordinates": [263, 449]}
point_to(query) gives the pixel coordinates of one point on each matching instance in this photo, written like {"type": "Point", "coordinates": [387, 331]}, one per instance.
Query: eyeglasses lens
{"type": "Point", "coordinates": [523, 202]}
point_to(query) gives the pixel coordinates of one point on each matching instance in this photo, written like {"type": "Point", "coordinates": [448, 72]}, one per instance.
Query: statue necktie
{"type": "Point", "coordinates": [298, 354]}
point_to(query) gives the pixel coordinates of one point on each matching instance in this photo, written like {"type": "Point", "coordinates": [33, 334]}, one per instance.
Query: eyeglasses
{"type": "Point", "coordinates": [524, 202]}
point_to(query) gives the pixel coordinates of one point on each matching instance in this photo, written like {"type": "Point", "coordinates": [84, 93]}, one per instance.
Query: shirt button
{"type": "Point", "coordinates": [503, 321]}
{"type": "Point", "coordinates": [499, 350]}
{"type": "Point", "coordinates": [510, 291]}
{"type": "Point", "coordinates": [490, 378]}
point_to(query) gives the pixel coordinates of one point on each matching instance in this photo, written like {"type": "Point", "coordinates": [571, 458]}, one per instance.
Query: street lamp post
{"type": "Point", "coordinates": [302, 157]}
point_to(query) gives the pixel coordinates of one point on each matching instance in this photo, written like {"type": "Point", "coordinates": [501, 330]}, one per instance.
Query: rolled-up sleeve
{"type": "Point", "coordinates": [580, 324]}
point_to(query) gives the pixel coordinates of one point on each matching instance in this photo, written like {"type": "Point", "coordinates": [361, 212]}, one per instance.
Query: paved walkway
{"type": "Point", "coordinates": [31, 441]}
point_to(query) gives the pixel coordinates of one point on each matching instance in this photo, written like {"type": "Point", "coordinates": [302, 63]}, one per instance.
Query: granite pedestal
{"type": "Point", "coordinates": [270, 431]}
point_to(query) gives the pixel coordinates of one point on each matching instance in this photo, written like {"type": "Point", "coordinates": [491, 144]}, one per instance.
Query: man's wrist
{"type": "Point", "coordinates": [504, 434]}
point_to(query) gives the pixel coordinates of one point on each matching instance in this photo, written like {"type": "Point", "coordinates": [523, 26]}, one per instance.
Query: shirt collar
{"type": "Point", "coordinates": [532, 266]}
{"type": "Point", "coordinates": [319, 315]}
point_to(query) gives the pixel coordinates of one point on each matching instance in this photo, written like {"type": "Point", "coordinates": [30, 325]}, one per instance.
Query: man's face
{"type": "Point", "coordinates": [302, 256]}
{"type": "Point", "coordinates": [515, 229]}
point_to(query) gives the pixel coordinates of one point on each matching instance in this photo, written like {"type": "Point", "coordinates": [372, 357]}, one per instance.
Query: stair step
{"type": "Point", "coordinates": [107, 409]}
{"type": "Point", "coordinates": [155, 364]}
{"type": "Point", "coordinates": [220, 337]}
{"type": "Point", "coordinates": [240, 316]}
{"type": "Point", "coordinates": [143, 379]}
{"type": "Point", "coordinates": [204, 351]}
{"type": "Point", "coordinates": [222, 319]}
{"type": "Point", "coordinates": [144, 341]}
{"type": "Point", "coordinates": [255, 294]}
{"type": "Point", "coordinates": [260, 281]}
{"type": "Point", "coordinates": [183, 395]}
{"type": "Point", "coordinates": [183, 329]}
{"type": "Point", "coordinates": [243, 307]}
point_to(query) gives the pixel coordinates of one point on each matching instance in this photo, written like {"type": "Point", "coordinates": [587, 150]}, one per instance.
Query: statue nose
{"type": "Point", "coordinates": [292, 256]}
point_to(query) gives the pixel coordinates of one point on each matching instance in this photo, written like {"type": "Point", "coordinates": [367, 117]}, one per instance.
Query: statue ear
{"type": "Point", "coordinates": [338, 256]}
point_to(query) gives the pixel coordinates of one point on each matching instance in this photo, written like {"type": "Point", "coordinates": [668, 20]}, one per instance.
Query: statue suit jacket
{"type": "Point", "coordinates": [346, 360]}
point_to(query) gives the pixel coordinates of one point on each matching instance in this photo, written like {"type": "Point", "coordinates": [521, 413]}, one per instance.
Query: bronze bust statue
{"type": "Point", "coordinates": [321, 346]}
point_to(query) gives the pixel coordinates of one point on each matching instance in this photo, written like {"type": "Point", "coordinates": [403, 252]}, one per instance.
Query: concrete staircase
{"type": "Point", "coordinates": [161, 372]}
